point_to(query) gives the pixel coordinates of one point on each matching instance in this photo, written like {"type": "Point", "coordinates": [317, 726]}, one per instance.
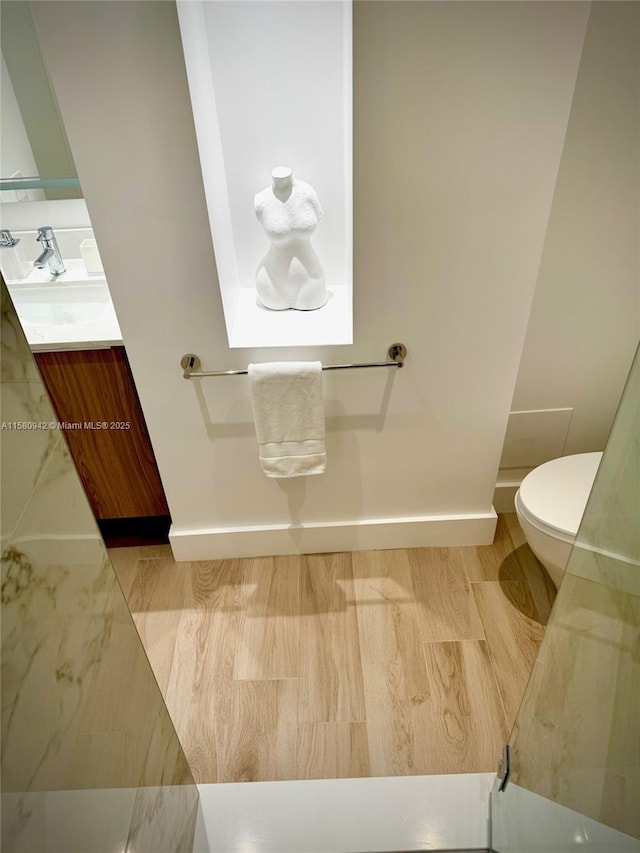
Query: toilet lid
{"type": "Point", "coordinates": [556, 493]}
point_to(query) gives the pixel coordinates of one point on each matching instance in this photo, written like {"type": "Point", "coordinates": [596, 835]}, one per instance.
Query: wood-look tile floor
{"type": "Point", "coordinates": [371, 663]}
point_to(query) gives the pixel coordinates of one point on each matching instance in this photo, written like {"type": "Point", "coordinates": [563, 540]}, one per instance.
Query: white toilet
{"type": "Point", "coordinates": [550, 504]}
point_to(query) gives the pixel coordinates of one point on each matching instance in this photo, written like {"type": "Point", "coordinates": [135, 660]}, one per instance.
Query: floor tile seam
{"type": "Point", "coordinates": [494, 670]}
{"type": "Point", "coordinates": [306, 684]}
{"type": "Point", "coordinates": [142, 558]}
{"type": "Point", "coordinates": [493, 580]}
{"type": "Point", "coordinates": [369, 667]}
{"type": "Point", "coordinates": [242, 617]}
{"type": "Point", "coordinates": [468, 590]}
{"type": "Point", "coordinates": [359, 629]}
{"type": "Point", "coordinates": [264, 680]}
{"type": "Point", "coordinates": [174, 656]}
{"type": "Point", "coordinates": [480, 611]}
{"type": "Point", "coordinates": [480, 570]}
{"type": "Point", "coordinates": [517, 610]}
{"type": "Point", "coordinates": [500, 582]}
{"type": "Point", "coordinates": [477, 611]}
{"type": "Point", "coordinates": [178, 590]}
{"type": "Point", "coordinates": [156, 602]}
{"type": "Point", "coordinates": [345, 626]}
{"type": "Point", "coordinates": [497, 691]}
{"type": "Point", "coordinates": [303, 722]}
{"type": "Point", "coordinates": [482, 639]}
{"type": "Point", "coordinates": [525, 580]}
{"type": "Point", "coordinates": [124, 588]}
{"type": "Point", "coordinates": [289, 670]}
{"type": "Point", "coordinates": [177, 612]}
{"type": "Point", "coordinates": [174, 718]}
{"type": "Point", "coordinates": [496, 688]}
{"type": "Point", "coordinates": [508, 530]}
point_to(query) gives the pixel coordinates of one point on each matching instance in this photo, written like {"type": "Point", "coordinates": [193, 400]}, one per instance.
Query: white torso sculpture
{"type": "Point", "coordinates": [290, 274]}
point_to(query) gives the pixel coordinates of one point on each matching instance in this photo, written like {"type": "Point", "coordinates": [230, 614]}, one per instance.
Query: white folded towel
{"type": "Point", "coordinates": [286, 397]}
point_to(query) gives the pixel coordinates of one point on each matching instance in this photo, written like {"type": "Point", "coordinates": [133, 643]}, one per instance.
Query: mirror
{"type": "Point", "coordinates": [35, 157]}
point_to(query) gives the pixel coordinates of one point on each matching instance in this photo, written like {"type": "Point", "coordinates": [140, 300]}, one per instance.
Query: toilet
{"type": "Point", "coordinates": [550, 504]}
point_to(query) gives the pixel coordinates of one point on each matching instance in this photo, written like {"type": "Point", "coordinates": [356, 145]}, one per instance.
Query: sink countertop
{"type": "Point", "coordinates": [100, 334]}
{"type": "Point", "coordinates": [71, 312]}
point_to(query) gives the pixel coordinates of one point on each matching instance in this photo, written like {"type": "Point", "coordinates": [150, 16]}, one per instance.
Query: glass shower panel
{"type": "Point", "coordinates": [90, 759]}
{"type": "Point", "coordinates": [575, 746]}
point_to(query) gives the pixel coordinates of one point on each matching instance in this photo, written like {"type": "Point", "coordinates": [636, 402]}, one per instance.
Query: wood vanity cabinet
{"type": "Point", "coordinates": [111, 448]}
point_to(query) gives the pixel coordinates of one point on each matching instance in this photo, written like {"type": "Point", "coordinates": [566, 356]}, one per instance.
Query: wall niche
{"type": "Point", "coordinates": [271, 86]}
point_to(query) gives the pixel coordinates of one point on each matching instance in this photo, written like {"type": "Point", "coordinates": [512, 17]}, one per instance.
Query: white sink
{"type": "Point", "coordinates": [73, 308]}
{"type": "Point", "coordinates": [76, 273]}
{"type": "Point", "coordinates": [61, 304]}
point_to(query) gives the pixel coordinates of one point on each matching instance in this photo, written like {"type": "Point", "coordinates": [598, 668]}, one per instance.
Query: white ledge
{"type": "Point", "coordinates": [255, 326]}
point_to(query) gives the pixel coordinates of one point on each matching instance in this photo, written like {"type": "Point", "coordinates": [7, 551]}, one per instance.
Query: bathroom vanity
{"type": "Point", "coordinates": [72, 329]}
{"type": "Point", "coordinates": [93, 394]}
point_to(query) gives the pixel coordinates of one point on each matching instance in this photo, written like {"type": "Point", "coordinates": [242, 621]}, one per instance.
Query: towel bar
{"type": "Point", "coordinates": [190, 363]}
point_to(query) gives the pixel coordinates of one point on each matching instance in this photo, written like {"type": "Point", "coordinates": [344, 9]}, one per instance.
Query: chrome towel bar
{"type": "Point", "coordinates": [190, 363]}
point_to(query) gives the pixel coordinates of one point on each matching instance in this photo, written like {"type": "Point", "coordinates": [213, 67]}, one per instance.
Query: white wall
{"type": "Point", "coordinates": [460, 116]}
{"type": "Point", "coordinates": [280, 101]}
{"type": "Point", "coordinates": [289, 104]}
{"type": "Point", "coordinates": [585, 317]}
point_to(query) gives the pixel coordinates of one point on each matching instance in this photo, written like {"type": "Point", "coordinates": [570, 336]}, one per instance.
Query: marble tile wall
{"type": "Point", "coordinates": [576, 740]}
{"type": "Point", "coordinates": [81, 711]}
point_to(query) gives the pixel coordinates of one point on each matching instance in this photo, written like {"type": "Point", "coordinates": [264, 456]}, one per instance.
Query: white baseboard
{"type": "Point", "coordinates": [509, 481]}
{"type": "Point", "coordinates": [504, 497]}
{"type": "Point", "coordinates": [218, 543]}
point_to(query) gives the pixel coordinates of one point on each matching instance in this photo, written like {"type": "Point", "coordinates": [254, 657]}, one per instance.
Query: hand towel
{"type": "Point", "coordinates": [288, 412]}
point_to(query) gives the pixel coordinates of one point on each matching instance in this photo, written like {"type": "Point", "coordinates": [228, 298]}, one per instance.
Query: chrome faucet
{"type": "Point", "coordinates": [7, 240]}
{"type": "Point", "coordinates": [50, 257]}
